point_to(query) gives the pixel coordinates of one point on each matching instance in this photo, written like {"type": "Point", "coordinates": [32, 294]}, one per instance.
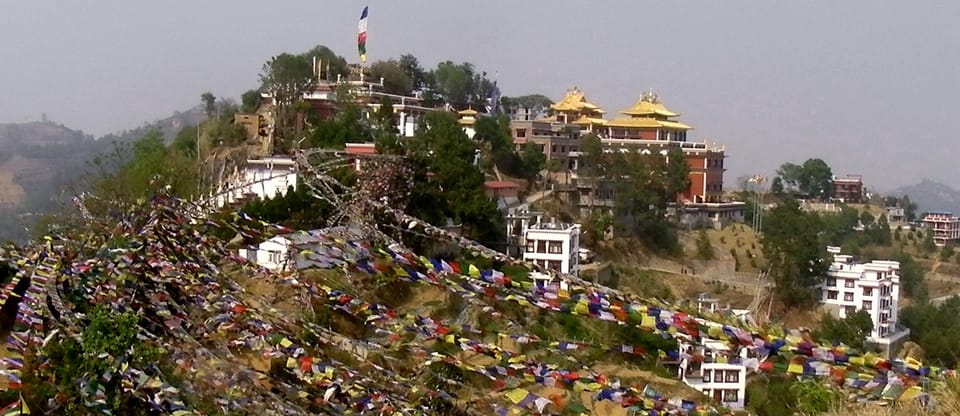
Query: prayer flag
{"type": "Point", "coordinates": [362, 35]}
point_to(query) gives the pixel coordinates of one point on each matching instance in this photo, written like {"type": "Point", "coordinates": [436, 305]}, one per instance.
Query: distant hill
{"type": "Point", "coordinates": [41, 161]}
{"type": "Point", "coordinates": [931, 196]}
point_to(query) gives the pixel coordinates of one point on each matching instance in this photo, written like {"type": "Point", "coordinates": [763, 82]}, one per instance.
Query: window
{"type": "Point", "coordinates": [848, 283]}
{"type": "Point", "coordinates": [541, 246]}
{"type": "Point", "coordinates": [850, 310]}
{"type": "Point", "coordinates": [867, 305]}
{"type": "Point", "coordinates": [274, 257]}
{"type": "Point", "coordinates": [706, 374]}
{"type": "Point", "coordinates": [847, 297]}
{"type": "Point", "coordinates": [718, 376]}
{"type": "Point", "coordinates": [731, 395]}
{"type": "Point", "coordinates": [832, 295]}
{"type": "Point", "coordinates": [554, 265]}
{"type": "Point", "coordinates": [555, 247]}
{"type": "Point", "coordinates": [831, 282]}
{"type": "Point", "coordinates": [531, 246]}
{"type": "Point", "coordinates": [732, 377]}
{"type": "Point", "coordinates": [868, 291]}
{"type": "Point", "coordinates": [521, 133]}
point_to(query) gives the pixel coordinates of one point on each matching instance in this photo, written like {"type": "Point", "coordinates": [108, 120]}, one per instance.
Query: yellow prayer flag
{"type": "Point", "coordinates": [517, 395]}
{"type": "Point", "coordinates": [474, 271]}
{"type": "Point", "coordinates": [911, 393]}
{"type": "Point", "coordinates": [795, 368]}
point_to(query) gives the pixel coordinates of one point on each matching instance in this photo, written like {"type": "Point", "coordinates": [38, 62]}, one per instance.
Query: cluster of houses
{"type": "Point", "coordinates": [646, 127]}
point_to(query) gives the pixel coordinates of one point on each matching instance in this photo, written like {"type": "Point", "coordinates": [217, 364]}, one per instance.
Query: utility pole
{"type": "Point", "coordinates": [757, 202]}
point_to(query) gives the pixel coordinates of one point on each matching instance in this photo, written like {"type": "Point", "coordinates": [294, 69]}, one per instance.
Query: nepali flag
{"type": "Point", "coordinates": [362, 35]}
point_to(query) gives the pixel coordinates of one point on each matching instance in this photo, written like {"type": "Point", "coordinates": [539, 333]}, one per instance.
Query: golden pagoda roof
{"type": "Point", "coordinates": [575, 101]}
{"type": "Point", "coordinates": [648, 105]}
{"type": "Point", "coordinates": [468, 112]}
{"type": "Point", "coordinates": [589, 120]}
{"type": "Point", "coordinates": [645, 122]}
{"type": "Point", "coordinates": [674, 125]}
{"type": "Point", "coordinates": [467, 121]}
{"type": "Point", "coordinates": [634, 122]}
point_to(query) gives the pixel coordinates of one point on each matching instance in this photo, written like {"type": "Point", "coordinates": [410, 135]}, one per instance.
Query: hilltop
{"type": "Point", "coordinates": [42, 164]}
{"type": "Point", "coordinates": [931, 196]}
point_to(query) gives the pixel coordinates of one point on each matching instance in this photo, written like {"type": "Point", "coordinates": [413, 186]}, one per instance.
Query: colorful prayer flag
{"type": "Point", "coordinates": [362, 35]}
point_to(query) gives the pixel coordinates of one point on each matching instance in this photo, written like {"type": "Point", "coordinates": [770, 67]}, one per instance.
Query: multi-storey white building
{"type": "Point", "coordinates": [260, 178]}
{"type": "Point", "coordinates": [874, 287]}
{"type": "Point", "coordinates": [944, 225]}
{"type": "Point", "coordinates": [553, 246]}
{"type": "Point", "coordinates": [715, 371]}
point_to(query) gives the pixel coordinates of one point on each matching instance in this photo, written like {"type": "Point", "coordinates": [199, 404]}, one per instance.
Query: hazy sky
{"type": "Point", "coordinates": [869, 86]}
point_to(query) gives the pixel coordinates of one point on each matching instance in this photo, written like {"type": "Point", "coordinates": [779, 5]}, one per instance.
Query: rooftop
{"type": "Point", "coordinates": [500, 185]}
{"type": "Point", "coordinates": [553, 226]}
{"type": "Point", "coordinates": [649, 105]}
{"type": "Point", "coordinates": [575, 101]}
{"type": "Point", "coordinates": [272, 160]}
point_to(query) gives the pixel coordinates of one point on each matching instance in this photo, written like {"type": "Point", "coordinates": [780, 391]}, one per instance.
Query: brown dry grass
{"type": "Point", "coordinates": [945, 396]}
{"type": "Point", "coordinates": [10, 192]}
{"type": "Point", "coordinates": [739, 237]}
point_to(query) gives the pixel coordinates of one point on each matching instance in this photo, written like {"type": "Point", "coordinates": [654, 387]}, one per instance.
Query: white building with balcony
{"type": "Point", "coordinates": [944, 225]}
{"type": "Point", "coordinates": [716, 371]}
{"type": "Point", "coordinates": [873, 287]}
{"type": "Point", "coordinates": [553, 246]}
{"type": "Point", "coordinates": [269, 177]}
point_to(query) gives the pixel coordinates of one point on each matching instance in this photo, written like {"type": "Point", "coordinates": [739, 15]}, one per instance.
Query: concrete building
{"type": "Point", "coordinates": [367, 92]}
{"type": "Point", "coordinates": [303, 249]}
{"type": "Point", "coordinates": [558, 141]}
{"type": "Point", "coordinates": [873, 287]}
{"type": "Point", "coordinates": [848, 190]}
{"type": "Point", "coordinates": [553, 246]}
{"type": "Point", "coordinates": [944, 225]}
{"type": "Point", "coordinates": [269, 177]}
{"type": "Point", "coordinates": [505, 193]}
{"type": "Point", "coordinates": [716, 371]}
{"type": "Point", "coordinates": [647, 127]}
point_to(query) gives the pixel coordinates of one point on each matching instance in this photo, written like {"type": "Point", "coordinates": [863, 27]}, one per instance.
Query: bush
{"type": "Point", "coordinates": [704, 247]}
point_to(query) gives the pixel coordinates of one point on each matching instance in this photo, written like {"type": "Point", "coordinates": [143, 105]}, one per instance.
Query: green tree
{"type": "Point", "coordinates": [866, 218]}
{"type": "Point", "coordinates": [109, 342]}
{"type": "Point", "coordinates": [909, 208]}
{"type": "Point", "coordinates": [793, 252]}
{"type": "Point", "coordinates": [912, 276]}
{"type": "Point", "coordinates": [395, 79]}
{"type": "Point", "coordinates": [776, 186]}
{"type": "Point", "coordinates": [330, 64]}
{"type": "Point", "coordinates": [285, 78]}
{"type": "Point", "coordinates": [929, 325]}
{"type": "Point", "coordinates": [455, 189]}
{"type": "Point", "coordinates": [209, 103]}
{"type": "Point", "coordinates": [928, 246]}
{"type": "Point", "coordinates": [851, 330]}
{"type": "Point", "coordinates": [813, 397]}
{"type": "Point", "coordinates": [387, 136]}
{"type": "Point", "coordinates": [814, 177]}
{"type": "Point", "coordinates": [837, 227]}
{"type": "Point", "coordinates": [704, 246]}
{"type": "Point", "coordinates": [135, 170]}
{"type": "Point", "coordinates": [677, 180]}
{"type": "Point", "coordinates": [536, 104]}
{"type": "Point", "coordinates": [880, 231]}
{"type": "Point", "coordinates": [461, 86]}
{"type": "Point", "coordinates": [419, 77]}
{"type": "Point", "coordinates": [249, 101]}
{"type": "Point", "coordinates": [533, 160]}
